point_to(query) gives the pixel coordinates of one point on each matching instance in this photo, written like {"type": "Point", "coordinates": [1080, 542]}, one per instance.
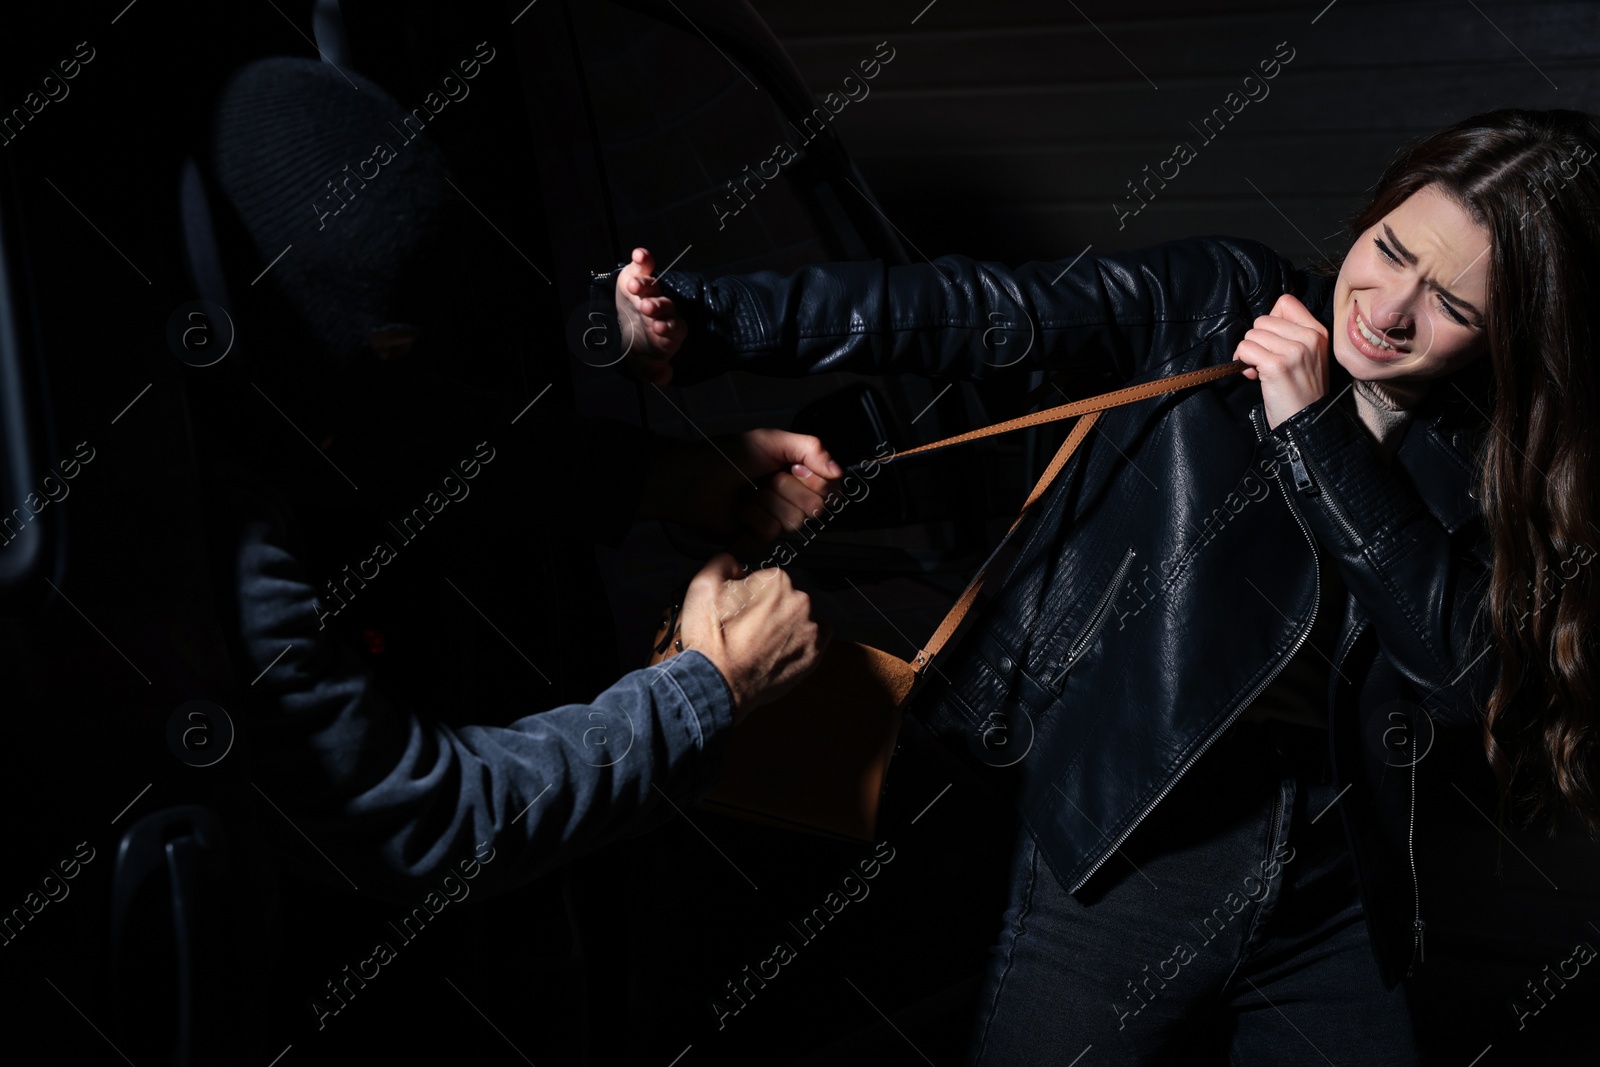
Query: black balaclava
{"type": "Point", "coordinates": [333, 173]}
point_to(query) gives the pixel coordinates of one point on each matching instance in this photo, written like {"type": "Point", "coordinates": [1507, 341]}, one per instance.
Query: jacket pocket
{"type": "Point", "coordinates": [1085, 638]}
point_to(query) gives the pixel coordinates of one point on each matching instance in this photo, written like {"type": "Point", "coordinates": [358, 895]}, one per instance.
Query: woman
{"type": "Point", "coordinates": [1209, 664]}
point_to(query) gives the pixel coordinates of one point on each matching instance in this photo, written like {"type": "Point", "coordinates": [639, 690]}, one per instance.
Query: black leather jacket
{"type": "Point", "coordinates": [1172, 569]}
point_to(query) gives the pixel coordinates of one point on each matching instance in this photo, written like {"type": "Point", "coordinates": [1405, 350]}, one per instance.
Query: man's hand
{"type": "Point", "coordinates": [651, 331]}
{"type": "Point", "coordinates": [1287, 352]}
{"type": "Point", "coordinates": [761, 482]}
{"type": "Point", "coordinates": [757, 630]}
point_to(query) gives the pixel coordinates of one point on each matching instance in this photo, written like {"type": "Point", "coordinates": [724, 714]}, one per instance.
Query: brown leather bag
{"type": "Point", "coordinates": [817, 759]}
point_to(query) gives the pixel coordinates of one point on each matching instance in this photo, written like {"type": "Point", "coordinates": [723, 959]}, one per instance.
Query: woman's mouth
{"type": "Point", "coordinates": [1369, 342]}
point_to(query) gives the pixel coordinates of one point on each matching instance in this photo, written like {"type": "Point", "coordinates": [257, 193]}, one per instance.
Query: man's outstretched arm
{"type": "Point", "coordinates": [396, 800]}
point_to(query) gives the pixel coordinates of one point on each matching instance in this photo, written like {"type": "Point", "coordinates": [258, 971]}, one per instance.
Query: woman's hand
{"type": "Point", "coordinates": [760, 484]}
{"type": "Point", "coordinates": [651, 332]}
{"type": "Point", "coordinates": [1287, 351]}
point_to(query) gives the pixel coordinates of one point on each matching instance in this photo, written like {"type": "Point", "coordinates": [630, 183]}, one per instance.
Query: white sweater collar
{"type": "Point", "coordinates": [1386, 408]}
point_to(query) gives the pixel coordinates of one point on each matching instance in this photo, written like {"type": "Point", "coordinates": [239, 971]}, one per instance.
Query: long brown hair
{"type": "Point", "coordinates": [1532, 179]}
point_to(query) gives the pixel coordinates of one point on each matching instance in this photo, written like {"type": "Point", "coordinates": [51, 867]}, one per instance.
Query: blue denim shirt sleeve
{"type": "Point", "coordinates": [396, 800]}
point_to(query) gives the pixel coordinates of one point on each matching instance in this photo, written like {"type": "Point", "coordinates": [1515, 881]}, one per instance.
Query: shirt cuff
{"type": "Point", "coordinates": [705, 709]}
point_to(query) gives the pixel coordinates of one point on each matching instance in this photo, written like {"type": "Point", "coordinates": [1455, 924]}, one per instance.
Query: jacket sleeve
{"type": "Point", "coordinates": [1108, 318]}
{"type": "Point", "coordinates": [1421, 585]}
{"type": "Point", "coordinates": [395, 800]}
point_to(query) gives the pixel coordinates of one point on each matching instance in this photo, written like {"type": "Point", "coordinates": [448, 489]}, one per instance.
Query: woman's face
{"type": "Point", "coordinates": [1410, 298]}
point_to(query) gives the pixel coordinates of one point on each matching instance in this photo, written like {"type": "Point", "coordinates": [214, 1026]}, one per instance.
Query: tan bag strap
{"type": "Point", "coordinates": [1089, 407]}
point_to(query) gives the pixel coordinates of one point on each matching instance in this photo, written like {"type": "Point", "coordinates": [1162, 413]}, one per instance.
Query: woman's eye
{"type": "Point", "coordinates": [1453, 313]}
{"type": "Point", "coordinates": [1455, 316]}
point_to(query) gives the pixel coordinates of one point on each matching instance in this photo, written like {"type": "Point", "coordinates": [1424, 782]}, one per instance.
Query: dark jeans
{"type": "Point", "coordinates": [1226, 930]}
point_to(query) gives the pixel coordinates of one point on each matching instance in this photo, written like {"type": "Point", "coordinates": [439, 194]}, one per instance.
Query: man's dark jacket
{"type": "Point", "coordinates": [1171, 570]}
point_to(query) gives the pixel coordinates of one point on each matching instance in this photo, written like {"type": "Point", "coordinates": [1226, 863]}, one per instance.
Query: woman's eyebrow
{"type": "Point", "coordinates": [1411, 258]}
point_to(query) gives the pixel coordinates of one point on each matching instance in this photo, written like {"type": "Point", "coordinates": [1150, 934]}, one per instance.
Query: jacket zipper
{"type": "Point", "coordinates": [1097, 617]}
{"type": "Point", "coordinates": [1277, 821]}
{"type": "Point", "coordinates": [1210, 740]}
{"type": "Point", "coordinates": [1308, 485]}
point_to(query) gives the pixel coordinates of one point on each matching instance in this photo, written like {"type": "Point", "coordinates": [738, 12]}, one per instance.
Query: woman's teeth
{"type": "Point", "coordinates": [1372, 339]}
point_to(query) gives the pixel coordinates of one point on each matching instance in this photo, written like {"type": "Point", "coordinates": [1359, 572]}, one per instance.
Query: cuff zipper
{"type": "Point", "coordinates": [1304, 482]}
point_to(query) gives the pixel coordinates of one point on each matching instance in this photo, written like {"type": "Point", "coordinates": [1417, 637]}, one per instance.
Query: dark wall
{"type": "Point", "coordinates": [1009, 129]}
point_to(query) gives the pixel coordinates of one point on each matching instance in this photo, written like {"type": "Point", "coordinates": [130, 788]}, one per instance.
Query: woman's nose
{"type": "Point", "coordinates": [1391, 315]}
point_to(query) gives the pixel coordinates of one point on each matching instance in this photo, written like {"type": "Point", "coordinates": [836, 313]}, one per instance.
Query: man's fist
{"type": "Point", "coordinates": [756, 628]}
